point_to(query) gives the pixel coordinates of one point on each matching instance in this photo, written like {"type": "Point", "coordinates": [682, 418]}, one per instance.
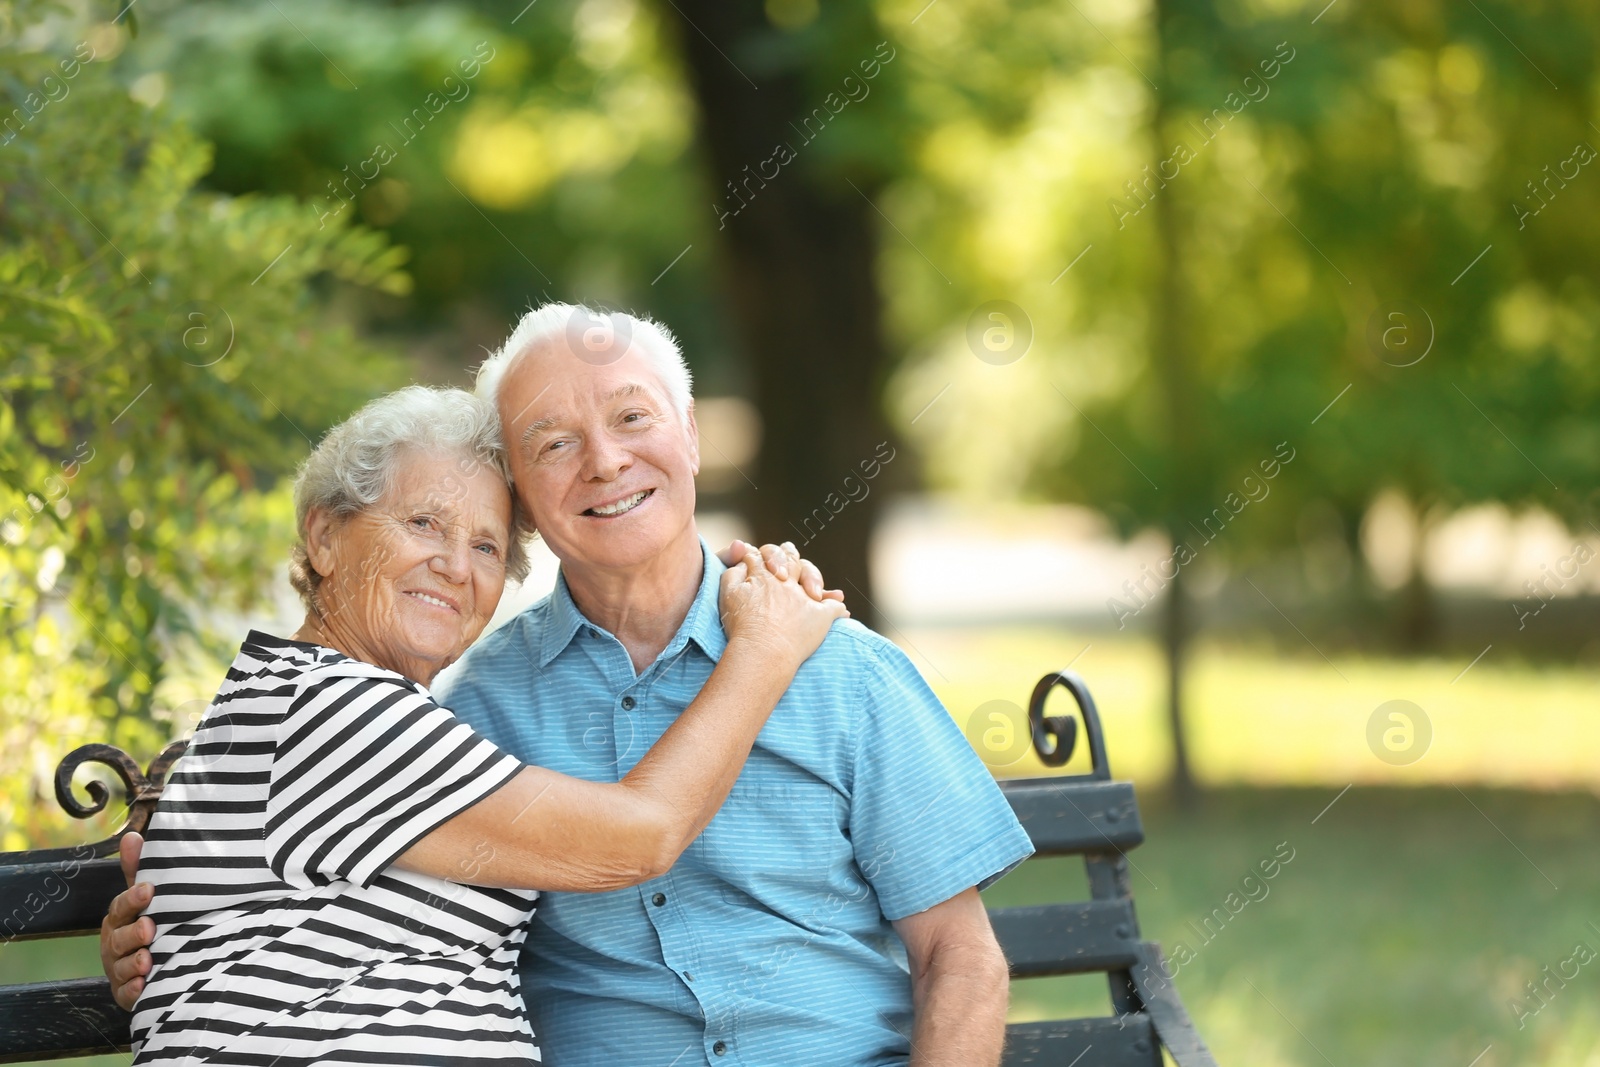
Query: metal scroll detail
{"type": "Point", "coordinates": [141, 789]}
{"type": "Point", "coordinates": [1054, 736]}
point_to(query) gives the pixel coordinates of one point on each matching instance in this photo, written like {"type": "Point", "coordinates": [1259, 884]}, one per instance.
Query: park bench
{"type": "Point", "coordinates": [65, 892]}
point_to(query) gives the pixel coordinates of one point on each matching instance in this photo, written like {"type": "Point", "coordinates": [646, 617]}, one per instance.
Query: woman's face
{"type": "Point", "coordinates": [411, 581]}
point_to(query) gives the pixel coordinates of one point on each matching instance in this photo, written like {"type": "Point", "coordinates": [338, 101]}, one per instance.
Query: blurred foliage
{"type": "Point", "coordinates": [572, 166]}
{"type": "Point", "coordinates": [165, 355]}
{"type": "Point", "coordinates": [558, 171]}
{"type": "Point", "coordinates": [1389, 147]}
{"type": "Point", "coordinates": [1246, 231]}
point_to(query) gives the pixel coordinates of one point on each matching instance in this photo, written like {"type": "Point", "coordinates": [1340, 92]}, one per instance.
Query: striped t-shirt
{"type": "Point", "coordinates": [283, 934]}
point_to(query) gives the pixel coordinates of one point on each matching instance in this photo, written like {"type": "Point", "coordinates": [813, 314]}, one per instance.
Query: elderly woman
{"type": "Point", "coordinates": [344, 871]}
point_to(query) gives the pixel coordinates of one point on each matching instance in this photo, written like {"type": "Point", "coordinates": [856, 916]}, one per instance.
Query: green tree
{"type": "Point", "coordinates": [1229, 200]}
{"type": "Point", "coordinates": [166, 355]}
{"type": "Point", "coordinates": [1387, 162]}
{"type": "Point", "coordinates": [520, 161]}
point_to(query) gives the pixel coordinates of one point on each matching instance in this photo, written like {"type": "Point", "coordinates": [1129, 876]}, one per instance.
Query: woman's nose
{"type": "Point", "coordinates": [453, 560]}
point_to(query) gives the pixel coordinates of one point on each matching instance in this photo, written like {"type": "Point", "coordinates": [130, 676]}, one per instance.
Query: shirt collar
{"type": "Point", "coordinates": [703, 624]}
{"type": "Point", "coordinates": [562, 622]}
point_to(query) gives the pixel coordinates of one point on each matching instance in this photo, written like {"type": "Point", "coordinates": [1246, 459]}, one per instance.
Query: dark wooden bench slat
{"type": "Point", "coordinates": [1076, 815]}
{"type": "Point", "coordinates": [1111, 1041]}
{"type": "Point", "coordinates": [1076, 938]}
{"type": "Point", "coordinates": [57, 897]}
{"type": "Point", "coordinates": [50, 1020]}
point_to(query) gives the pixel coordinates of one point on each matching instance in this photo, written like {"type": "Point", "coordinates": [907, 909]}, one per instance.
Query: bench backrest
{"type": "Point", "coordinates": [65, 892]}
{"type": "Point", "coordinates": [1096, 817]}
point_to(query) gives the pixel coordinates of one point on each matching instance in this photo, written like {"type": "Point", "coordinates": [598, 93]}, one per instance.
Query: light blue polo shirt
{"type": "Point", "coordinates": [768, 944]}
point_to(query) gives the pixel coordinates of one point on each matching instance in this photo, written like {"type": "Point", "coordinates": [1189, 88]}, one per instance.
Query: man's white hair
{"type": "Point", "coordinates": [568, 324]}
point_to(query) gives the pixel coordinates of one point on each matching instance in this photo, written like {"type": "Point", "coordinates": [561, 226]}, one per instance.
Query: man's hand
{"type": "Point", "coordinates": [960, 984]}
{"type": "Point", "coordinates": [125, 934]}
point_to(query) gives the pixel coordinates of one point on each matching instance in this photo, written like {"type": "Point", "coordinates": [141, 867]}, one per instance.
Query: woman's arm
{"type": "Point", "coordinates": [545, 830]}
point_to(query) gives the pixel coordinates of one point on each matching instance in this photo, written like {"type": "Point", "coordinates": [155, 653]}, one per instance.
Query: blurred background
{"type": "Point", "coordinates": [1240, 354]}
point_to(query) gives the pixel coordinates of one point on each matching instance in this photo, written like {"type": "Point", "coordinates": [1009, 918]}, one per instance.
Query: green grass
{"type": "Point", "coordinates": [1397, 935]}
{"type": "Point", "coordinates": [1264, 717]}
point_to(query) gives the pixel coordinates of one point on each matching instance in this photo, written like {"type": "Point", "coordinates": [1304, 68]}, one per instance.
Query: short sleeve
{"type": "Point", "coordinates": [927, 820]}
{"type": "Point", "coordinates": [364, 768]}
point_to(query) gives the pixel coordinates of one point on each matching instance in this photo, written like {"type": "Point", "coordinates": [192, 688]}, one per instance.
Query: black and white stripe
{"type": "Point", "coordinates": [283, 935]}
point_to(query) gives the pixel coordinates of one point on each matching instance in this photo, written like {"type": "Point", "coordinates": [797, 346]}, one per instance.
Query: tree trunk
{"type": "Point", "coordinates": [1174, 642]}
{"type": "Point", "coordinates": [1418, 615]}
{"type": "Point", "coordinates": [798, 251]}
{"type": "Point", "coordinates": [1185, 470]}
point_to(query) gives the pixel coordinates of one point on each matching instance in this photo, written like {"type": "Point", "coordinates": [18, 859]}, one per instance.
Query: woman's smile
{"type": "Point", "coordinates": [435, 600]}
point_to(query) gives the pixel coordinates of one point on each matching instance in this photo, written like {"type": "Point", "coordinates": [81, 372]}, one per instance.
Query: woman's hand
{"type": "Point", "coordinates": [773, 613]}
{"type": "Point", "coordinates": [780, 559]}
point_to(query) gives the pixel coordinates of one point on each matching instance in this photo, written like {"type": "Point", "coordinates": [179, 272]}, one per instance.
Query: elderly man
{"type": "Point", "coordinates": [829, 914]}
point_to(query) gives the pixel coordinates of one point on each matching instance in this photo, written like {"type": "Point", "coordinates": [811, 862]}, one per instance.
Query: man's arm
{"type": "Point", "coordinates": [125, 932]}
{"type": "Point", "coordinates": [959, 984]}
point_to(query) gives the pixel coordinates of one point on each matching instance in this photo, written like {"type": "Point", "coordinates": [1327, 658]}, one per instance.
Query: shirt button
{"type": "Point", "coordinates": [659, 899]}
{"type": "Point", "coordinates": [628, 703]}
{"type": "Point", "coordinates": [720, 1047]}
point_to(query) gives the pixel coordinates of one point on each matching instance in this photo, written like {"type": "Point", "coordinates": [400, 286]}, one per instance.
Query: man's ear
{"type": "Point", "coordinates": [320, 540]}
{"type": "Point", "coordinates": [694, 438]}
{"type": "Point", "coordinates": [522, 513]}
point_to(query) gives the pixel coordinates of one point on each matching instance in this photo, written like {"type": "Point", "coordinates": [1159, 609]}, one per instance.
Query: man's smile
{"type": "Point", "coordinates": [620, 507]}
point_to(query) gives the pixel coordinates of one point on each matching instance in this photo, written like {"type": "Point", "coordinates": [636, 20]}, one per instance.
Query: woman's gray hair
{"type": "Point", "coordinates": [354, 464]}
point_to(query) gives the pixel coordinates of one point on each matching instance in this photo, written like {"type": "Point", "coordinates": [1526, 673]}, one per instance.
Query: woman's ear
{"type": "Point", "coordinates": [321, 535]}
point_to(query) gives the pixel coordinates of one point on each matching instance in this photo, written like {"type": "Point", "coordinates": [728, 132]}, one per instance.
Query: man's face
{"type": "Point", "coordinates": [602, 462]}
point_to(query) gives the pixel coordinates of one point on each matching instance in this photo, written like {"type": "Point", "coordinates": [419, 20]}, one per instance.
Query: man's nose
{"type": "Point", "coordinates": [606, 458]}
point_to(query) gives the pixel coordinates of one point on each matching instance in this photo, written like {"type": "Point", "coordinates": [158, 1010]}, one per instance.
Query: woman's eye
{"type": "Point", "coordinates": [422, 522]}
{"type": "Point", "coordinates": [490, 550]}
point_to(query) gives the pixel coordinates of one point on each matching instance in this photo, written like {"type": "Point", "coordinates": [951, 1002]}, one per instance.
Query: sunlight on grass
{"type": "Point", "coordinates": [1262, 717]}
